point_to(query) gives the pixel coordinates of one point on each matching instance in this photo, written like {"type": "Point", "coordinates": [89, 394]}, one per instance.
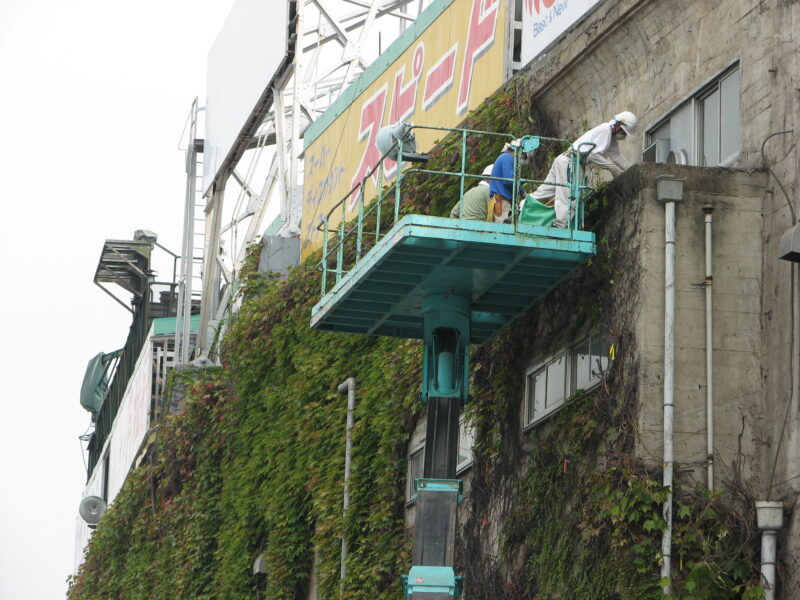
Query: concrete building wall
{"type": "Point", "coordinates": [736, 197]}
{"type": "Point", "coordinates": [649, 56]}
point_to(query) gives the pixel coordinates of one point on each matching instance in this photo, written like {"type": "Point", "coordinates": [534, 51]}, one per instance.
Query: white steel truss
{"type": "Point", "coordinates": [333, 42]}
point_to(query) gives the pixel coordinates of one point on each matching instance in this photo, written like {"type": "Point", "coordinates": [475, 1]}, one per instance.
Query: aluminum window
{"type": "Point", "coordinates": [550, 383]}
{"type": "Point", "coordinates": [466, 439]}
{"type": "Point", "coordinates": [704, 131]}
{"type": "Point", "coordinates": [416, 465]}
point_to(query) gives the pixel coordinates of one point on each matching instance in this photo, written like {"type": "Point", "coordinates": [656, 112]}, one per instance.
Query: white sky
{"type": "Point", "coordinates": [94, 95]}
{"type": "Point", "coordinates": [93, 98]}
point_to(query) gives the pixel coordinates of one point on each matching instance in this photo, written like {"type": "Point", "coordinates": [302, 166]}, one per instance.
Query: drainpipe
{"type": "Point", "coordinates": [708, 209]}
{"type": "Point", "coordinates": [669, 191]}
{"type": "Point", "coordinates": [348, 387]}
{"type": "Point", "coordinates": [769, 515]}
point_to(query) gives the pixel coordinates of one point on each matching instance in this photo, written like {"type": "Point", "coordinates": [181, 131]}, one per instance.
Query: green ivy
{"type": "Point", "coordinates": [252, 463]}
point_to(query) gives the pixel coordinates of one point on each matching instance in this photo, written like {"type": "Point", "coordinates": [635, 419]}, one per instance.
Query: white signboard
{"type": "Point", "coordinates": [241, 66]}
{"type": "Point", "coordinates": [132, 421]}
{"type": "Point", "coordinates": [543, 21]}
{"type": "Point", "coordinates": [127, 434]}
{"type": "Point", "coordinates": [82, 532]}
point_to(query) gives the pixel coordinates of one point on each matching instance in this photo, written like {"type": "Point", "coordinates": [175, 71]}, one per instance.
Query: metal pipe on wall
{"type": "Point", "coordinates": [708, 209]}
{"type": "Point", "coordinates": [669, 191]}
{"type": "Point", "coordinates": [348, 387]}
{"type": "Point", "coordinates": [769, 516]}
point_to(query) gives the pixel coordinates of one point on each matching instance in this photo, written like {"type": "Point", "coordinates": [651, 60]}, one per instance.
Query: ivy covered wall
{"type": "Point", "coordinates": [254, 464]}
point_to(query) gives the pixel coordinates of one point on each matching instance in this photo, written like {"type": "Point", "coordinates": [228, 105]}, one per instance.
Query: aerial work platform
{"type": "Point", "coordinates": [451, 283]}
{"type": "Point", "coordinates": [502, 268]}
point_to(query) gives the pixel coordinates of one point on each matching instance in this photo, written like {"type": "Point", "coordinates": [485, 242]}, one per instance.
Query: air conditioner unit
{"type": "Point", "coordinates": [657, 152]}
{"type": "Point", "coordinates": [678, 157]}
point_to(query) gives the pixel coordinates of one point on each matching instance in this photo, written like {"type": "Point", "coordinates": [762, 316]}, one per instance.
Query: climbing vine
{"type": "Point", "coordinates": [249, 463]}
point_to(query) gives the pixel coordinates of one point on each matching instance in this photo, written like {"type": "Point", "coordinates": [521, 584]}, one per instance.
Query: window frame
{"type": "Point", "coordinates": [570, 384]}
{"type": "Point", "coordinates": [463, 426]}
{"type": "Point", "coordinates": [695, 100]}
{"type": "Point", "coordinates": [418, 450]}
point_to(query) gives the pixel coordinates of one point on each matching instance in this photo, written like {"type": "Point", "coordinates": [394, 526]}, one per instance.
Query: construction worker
{"type": "Point", "coordinates": [599, 146]}
{"type": "Point", "coordinates": [502, 191]}
{"type": "Point", "coordinates": [474, 204]}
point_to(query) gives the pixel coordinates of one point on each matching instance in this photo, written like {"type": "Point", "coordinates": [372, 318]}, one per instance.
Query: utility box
{"type": "Point", "coordinates": [789, 248]}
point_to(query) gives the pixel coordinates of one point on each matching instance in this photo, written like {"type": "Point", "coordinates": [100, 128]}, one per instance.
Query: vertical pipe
{"type": "Point", "coordinates": [349, 387]}
{"type": "Point", "coordinates": [669, 377]}
{"type": "Point", "coordinates": [708, 209]}
{"type": "Point", "coordinates": [669, 191]}
{"type": "Point", "coordinates": [769, 543]}
{"type": "Point", "coordinates": [769, 516]}
{"type": "Point", "coordinates": [293, 217]}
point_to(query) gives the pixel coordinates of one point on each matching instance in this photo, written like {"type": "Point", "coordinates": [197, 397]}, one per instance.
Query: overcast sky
{"type": "Point", "coordinates": [93, 98]}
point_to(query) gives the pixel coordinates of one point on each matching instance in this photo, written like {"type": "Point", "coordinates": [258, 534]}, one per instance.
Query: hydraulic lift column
{"type": "Point", "coordinates": [444, 388]}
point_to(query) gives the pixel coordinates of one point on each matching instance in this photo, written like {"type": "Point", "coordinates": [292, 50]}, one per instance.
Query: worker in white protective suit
{"type": "Point", "coordinates": [600, 147]}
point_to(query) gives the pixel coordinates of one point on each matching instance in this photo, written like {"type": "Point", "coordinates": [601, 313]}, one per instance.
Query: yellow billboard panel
{"type": "Point", "coordinates": [441, 68]}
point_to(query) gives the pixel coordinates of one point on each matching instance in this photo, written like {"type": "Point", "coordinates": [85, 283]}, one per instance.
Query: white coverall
{"type": "Point", "coordinates": [605, 154]}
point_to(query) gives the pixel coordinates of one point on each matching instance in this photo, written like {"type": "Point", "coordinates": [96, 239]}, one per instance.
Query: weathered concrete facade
{"type": "Point", "coordinates": [649, 56]}
{"type": "Point", "coordinates": [736, 197]}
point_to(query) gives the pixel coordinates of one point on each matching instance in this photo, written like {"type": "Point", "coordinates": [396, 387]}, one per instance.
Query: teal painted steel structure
{"type": "Point", "coordinates": [450, 282]}
{"type": "Point", "coordinates": [503, 269]}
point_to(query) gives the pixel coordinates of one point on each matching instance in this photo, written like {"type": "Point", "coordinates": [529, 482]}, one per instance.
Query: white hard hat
{"type": "Point", "coordinates": [488, 170]}
{"type": "Point", "coordinates": [628, 121]}
{"type": "Point", "coordinates": [509, 146]}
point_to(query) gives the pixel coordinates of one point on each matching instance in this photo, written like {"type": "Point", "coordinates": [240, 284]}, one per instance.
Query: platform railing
{"type": "Point", "coordinates": [336, 261]}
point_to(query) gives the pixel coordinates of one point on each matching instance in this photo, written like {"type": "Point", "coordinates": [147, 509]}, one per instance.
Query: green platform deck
{"type": "Point", "coordinates": [503, 268]}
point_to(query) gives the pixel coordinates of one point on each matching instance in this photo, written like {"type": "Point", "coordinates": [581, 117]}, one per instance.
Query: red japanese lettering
{"type": "Point", "coordinates": [439, 78]}
{"type": "Point", "coordinates": [371, 121]}
{"type": "Point", "coordinates": [482, 24]}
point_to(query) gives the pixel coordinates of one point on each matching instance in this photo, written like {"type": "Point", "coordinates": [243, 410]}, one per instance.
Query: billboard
{"type": "Point", "coordinates": [543, 21]}
{"type": "Point", "coordinates": [442, 67]}
{"type": "Point", "coordinates": [242, 63]}
{"type": "Point", "coordinates": [132, 421]}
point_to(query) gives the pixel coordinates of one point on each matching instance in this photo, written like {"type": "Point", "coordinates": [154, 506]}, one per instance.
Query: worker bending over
{"type": "Point", "coordinates": [503, 191]}
{"type": "Point", "coordinates": [474, 204]}
{"type": "Point", "coordinates": [600, 147]}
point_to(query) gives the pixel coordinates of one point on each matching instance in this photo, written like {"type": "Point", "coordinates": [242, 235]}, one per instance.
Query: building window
{"type": "Point", "coordinates": [416, 466]}
{"type": "Point", "coordinates": [704, 131]}
{"type": "Point", "coordinates": [466, 439]}
{"type": "Point", "coordinates": [550, 383]}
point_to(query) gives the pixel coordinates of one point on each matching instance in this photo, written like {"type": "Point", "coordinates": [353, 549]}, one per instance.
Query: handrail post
{"type": "Point", "coordinates": [325, 257]}
{"type": "Point", "coordinates": [463, 171]}
{"type": "Point", "coordinates": [399, 179]}
{"type": "Point", "coordinates": [514, 188]}
{"type": "Point", "coordinates": [575, 188]}
{"type": "Point", "coordinates": [380, 204]}
{"type": "Point", "coordinates": [340, 252]}
{"type": "Point", "coordinates": [360, 223]}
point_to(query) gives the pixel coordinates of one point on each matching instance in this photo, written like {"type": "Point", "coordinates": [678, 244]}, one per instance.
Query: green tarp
{"type": "Point", "coordinates": [536, 213]}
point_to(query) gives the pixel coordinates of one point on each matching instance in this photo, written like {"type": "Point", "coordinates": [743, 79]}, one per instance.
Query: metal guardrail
{"type": "Point", "coordinates": [336, 238]}
{"type": "Point", "coordinates": [137, 337]}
